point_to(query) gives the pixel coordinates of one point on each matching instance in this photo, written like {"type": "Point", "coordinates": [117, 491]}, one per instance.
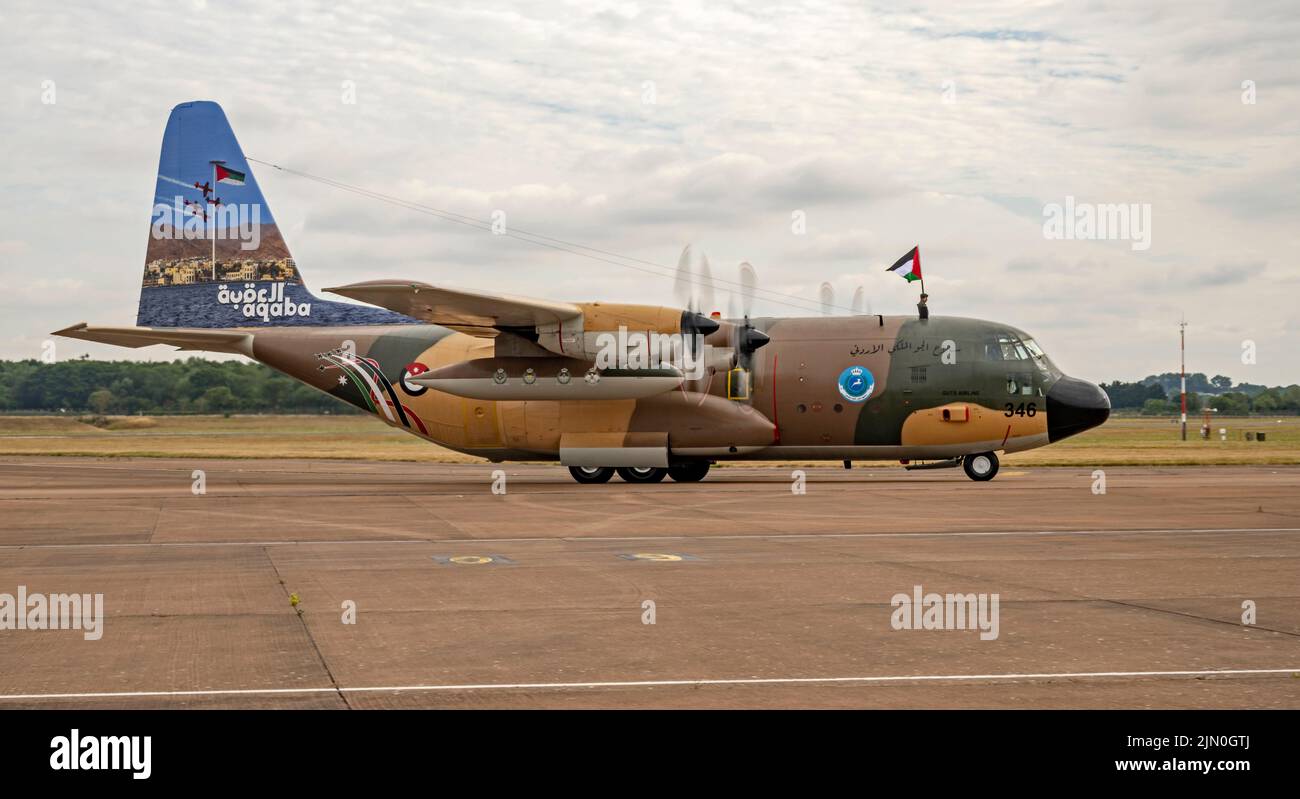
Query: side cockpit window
{"type": "Point", "coordinates": [1040, 358]}
{"type": "Point", "coordinates": [1003, 346]}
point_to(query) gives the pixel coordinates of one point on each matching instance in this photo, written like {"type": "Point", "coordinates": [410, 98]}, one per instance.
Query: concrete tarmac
{"type": "Point", "coordinates": [539, 597]}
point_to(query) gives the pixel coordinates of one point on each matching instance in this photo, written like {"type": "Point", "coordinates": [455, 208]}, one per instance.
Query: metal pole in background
{"type": "Point", "coordinates": [210, 208]}
{"type": "Point", "coordinates": [1182, 370]}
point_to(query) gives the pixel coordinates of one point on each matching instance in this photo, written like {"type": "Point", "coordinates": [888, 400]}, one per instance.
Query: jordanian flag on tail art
{"type": "Point", "coordinates": [909, 266]}
{"type": "Point", "coordinates": [227, 175]}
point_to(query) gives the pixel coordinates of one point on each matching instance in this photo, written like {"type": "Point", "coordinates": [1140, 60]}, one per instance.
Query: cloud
{"type": "Point", "coordinates": [1229, 274]}
{"type": "Point", "coordinates": [637, 129]}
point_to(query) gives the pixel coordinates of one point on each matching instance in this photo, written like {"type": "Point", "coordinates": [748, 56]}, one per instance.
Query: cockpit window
{"type": "Point", "coordinates": [1040, 358]}
{"type": "Point", "coordinates": [1007, 346]}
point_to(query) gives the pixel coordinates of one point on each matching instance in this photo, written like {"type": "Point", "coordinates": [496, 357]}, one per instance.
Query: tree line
{"type": "Point", "coordinates": [1159, 394]}
{"type": "Point", "coordinates": [197, 385]}
{"type": "Point", "coordinates": [193, 385]}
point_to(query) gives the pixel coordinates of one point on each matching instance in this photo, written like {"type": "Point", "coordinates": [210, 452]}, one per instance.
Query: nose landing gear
{"type": "Point", "coordinates": [981, 466]}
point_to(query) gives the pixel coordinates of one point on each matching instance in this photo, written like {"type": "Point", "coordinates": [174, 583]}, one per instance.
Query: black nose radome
{"type": "Point", "coordinates": [1074, 405]}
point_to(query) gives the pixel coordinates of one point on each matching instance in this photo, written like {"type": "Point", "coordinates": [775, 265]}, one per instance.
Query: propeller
{"type": "Point", "coordinates": [827, 293]}
{"type": "Point", "coordinates": [693, 290]}
{"type": "Point", "coordinates": [683, 288]}
{"type": "Point", "coordinates": [748, 284]}
{"type": "Point", "coordinates": [859, 296]}
{"type": "Point", "coordinates": [748, 339]}
{"type": "Point", "coordinates": [695, 325]}
{"type": "Point", "coordinates": [705, 286]}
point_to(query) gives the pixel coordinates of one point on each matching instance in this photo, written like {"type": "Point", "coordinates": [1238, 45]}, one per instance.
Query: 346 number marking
{"type": "Point", "coordinates": [1021, 410]}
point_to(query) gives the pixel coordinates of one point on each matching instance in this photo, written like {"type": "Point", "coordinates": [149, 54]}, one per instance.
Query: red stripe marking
{"type": "Point", "coordinates": [776, 426]}
{"type": "Point", "coordinates": [416, 419]}
{"type": "Point", "coordinates": [1005, 437]}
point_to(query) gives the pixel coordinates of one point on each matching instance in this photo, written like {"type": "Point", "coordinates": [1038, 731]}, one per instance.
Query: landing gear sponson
{"type": "Point", "coordinates": [680, 472]}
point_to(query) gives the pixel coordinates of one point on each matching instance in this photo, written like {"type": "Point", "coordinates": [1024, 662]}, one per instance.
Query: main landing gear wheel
{"type": "Point", "coordinates": [689, 472]}
{"type": "Point", "coordinates": [591, 474]}
{"type": "Point", "coordinates": [980, 467]}
{"type": "Point", "coordinates": [641, 474]}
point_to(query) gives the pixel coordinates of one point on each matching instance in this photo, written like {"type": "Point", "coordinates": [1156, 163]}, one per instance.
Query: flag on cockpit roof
{"type": "Point", "coordinates": [909, 266]}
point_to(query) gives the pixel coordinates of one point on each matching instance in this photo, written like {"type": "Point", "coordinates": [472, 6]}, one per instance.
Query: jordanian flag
{"type": "Point", "coordinates": [909, 266]}
{"type": "Point", "coordinates": [227, 175]}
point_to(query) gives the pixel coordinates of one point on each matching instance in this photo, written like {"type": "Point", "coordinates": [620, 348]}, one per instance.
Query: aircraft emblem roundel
{"type": "Point", "coordinates": [413, 370]}
{"type": "Point", "coordinates": [857, 383]}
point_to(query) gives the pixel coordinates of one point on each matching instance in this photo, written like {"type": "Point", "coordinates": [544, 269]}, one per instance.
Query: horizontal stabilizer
{"type": "Point", "coordinates": [470, 312]}
{"type": "Point", "coordinates": [183, 338]}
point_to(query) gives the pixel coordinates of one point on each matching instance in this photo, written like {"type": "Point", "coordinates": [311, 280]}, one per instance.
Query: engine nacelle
{"type": "Point", "coordinates": [617, 330]}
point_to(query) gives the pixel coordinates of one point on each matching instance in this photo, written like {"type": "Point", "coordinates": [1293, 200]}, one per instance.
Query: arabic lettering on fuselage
{"type": "Point", "coordinates": [901, 346]}
{"type": "Point", "coordinates": [872, 350]}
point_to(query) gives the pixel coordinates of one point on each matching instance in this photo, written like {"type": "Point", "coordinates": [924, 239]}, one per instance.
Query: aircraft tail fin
{"type": "Point", "coordinates": [216, 257]}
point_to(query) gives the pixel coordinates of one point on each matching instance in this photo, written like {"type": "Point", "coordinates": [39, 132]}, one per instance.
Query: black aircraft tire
{"type": "Point", "coordinates": [591, 474]}
{"type": "Point", "coordinates": [689, 472]}
{"type": "Point", "coordinates": [981, 466]}
{"type": "Point", "coordinates": [647, 474]}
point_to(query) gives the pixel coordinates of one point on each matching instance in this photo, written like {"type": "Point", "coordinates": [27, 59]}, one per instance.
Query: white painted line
{"type": "Point", "coordinates": [553, 686]}
{"type": "Point", "coordinates": [754, 537]}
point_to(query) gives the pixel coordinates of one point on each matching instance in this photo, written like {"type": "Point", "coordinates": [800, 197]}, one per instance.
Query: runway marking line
{"type": "Point", "coordinates": [580, 539]}
{"type": "Point", "coordinates": [543, 686]}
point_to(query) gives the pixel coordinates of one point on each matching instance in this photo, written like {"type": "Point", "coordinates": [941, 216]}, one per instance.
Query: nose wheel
{"type": "Point", "coordinates": [981, 466]}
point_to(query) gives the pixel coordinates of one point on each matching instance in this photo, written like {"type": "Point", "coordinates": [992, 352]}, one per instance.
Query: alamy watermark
{"type": "Point", "coordinates": [240, 221]}
{"type": "Point", "coordinates": [920, 611]}
{"type": "Point", "coordinates": [37, 611]}
{"type": "Point", "coordinates": [639, 350]}
{"type": "Point", "coordinates": [74, 751]}
{"type": "Point", "coordinates": [1099, 222]}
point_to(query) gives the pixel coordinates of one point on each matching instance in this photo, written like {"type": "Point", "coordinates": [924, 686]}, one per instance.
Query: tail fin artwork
{"type": "Point", "coordinates": [216, 258]}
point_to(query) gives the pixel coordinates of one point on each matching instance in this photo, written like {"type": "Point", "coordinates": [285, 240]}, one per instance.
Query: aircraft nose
{"type": "Point", "coordinates": [1074, 405]}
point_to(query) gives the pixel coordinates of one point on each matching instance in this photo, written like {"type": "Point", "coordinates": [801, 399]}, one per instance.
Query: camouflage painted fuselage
{"type": "Point", "coordinates": [943, 387]}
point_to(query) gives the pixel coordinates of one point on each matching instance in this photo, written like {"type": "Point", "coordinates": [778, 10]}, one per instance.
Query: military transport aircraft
{"type": "Point", "coordinates": [585, 383]}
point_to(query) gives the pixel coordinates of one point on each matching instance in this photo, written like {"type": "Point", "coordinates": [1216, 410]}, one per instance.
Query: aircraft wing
{"type": "Point", "coordinates": [183, 338]}
{"type": "Point", "coordinates": [472, 312]}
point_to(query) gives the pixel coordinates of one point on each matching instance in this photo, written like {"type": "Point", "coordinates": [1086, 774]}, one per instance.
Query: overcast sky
{"type": "Point", "coordinates": [639, 130]}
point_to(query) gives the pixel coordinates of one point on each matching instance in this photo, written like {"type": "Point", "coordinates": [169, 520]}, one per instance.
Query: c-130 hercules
{"type": "Point", "coordinates": [509, 378]}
